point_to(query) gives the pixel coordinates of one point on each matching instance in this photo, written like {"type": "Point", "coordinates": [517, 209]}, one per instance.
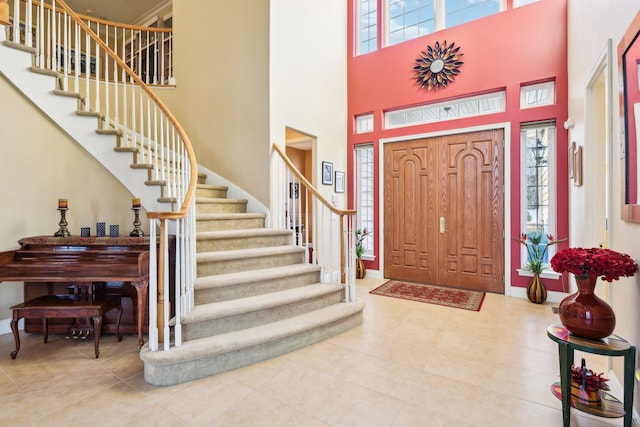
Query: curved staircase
{"type": "Point", "coordinates": [255, 297]}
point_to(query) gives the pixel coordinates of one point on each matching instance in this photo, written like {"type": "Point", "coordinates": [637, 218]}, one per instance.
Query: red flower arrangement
{"type": "Point", "coordinates": [594, 262]}
{"type": "Point", "coordinates": [588, 379]}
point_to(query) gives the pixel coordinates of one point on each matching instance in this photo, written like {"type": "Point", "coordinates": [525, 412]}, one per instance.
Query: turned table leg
{"type": "Point", "coordinates": [97, 327]}
{"type": "Point", "coordinates": [118, 334]}
{"type": "Point", "coordinates": [16, 336]}
{"type": "Point", "coordinates": [141, 292]}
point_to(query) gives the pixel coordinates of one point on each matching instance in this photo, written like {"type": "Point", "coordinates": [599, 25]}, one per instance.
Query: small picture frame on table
{"type": "Point", "coordinates": [339, 182]}
{"type": "Point", "coordinates": [327, 173]}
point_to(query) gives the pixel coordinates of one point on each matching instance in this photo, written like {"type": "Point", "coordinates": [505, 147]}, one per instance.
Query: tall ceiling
{"type": "Point", "coordinates": [123, 11]}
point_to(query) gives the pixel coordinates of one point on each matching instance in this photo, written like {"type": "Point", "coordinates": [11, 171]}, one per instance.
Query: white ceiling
{"type": "Point", "coordinates": [123, 11]}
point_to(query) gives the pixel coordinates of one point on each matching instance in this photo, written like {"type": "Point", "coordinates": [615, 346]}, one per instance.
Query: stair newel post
{"type": "Point", "coordinates": [343, 276]}
{"type": "Point", "coordinates": [161, 281]}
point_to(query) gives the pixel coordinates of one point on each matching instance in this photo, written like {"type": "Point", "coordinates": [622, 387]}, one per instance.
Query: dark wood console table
{"type": "Point", "coordinates": [612, 345]}
{"type": "Point", "coordinates": [48, 265]}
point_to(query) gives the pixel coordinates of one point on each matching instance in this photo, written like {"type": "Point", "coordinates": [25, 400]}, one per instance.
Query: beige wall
{"type": "Point", "coordinates": [308, 90]}
{"type": "Point", "coordinates": [591, 23]}
{"type": "Point", "coordinates": [39, 164]}
{"type": "Point", "coordinates": [221, 98]}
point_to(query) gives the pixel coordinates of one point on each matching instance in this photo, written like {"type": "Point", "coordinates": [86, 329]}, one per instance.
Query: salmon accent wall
{"type": "Point", "coordinates": [501, 52]}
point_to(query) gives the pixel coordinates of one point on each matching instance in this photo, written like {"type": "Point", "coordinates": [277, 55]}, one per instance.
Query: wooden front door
{"type": "Point", "coordinates": [444, 210]}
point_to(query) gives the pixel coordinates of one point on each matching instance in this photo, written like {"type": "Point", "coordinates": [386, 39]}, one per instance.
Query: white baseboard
{"type": "Point", "coordinates": [616, 389]}
{"type": "Point", "coordinates": [552, 296]}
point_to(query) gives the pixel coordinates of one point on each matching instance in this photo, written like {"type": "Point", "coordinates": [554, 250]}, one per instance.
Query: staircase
{"type": "Point", "coordinates": [255, 297]}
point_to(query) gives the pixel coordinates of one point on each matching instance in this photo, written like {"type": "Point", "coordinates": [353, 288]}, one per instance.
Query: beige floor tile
{"type": "Point", "coordinates": [408, 364]}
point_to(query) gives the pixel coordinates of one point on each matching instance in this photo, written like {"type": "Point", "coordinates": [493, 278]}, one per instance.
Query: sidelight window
{"type": "Point", "coordinates": [538, 145]}
{"type": "Point", "coordinates": [364, 195]}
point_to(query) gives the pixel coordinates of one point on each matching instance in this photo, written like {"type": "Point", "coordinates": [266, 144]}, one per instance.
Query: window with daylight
{"type": "Point", "coordinates": [368, 26]}
{"type": "Point", "coordinates": [364, 195]}
{"type": "Point", "coordinates": [404, 20]}
{"type": "Point", "coordinates": [407, 20]}
{"type": "Point", "coordinates": [538, 145]}
{"type": "Point", "coordinates": [435, 112]}
{"type": "Point", "coordinates": [518, 3]}
{"type": "Point", "coordinates": [364, 123]}
{"type": "Point", "coordinates": [537, 95]}
{"type": "Point", "coordinates": [460, 11]}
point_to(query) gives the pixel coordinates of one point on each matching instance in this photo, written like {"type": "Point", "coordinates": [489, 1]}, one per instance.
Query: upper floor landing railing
{"type": "Point", "coordinates": [148, 51]}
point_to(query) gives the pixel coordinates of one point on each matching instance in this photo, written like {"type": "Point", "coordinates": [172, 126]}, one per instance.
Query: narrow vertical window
{"type": "Point", "coordinates": [538, 192]}
{"type": "Point", "coordinates": [367, 26]}
{"type": "Point", "coordinates": [364, 195]}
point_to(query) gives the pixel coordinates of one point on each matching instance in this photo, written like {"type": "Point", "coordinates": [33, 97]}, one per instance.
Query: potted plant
{"type": "Point", "coordinates": [361, 234]}
{"type": "Point", "coordinates": [536, 292]}
{"type": "Point", "coordinates": [585, 314]}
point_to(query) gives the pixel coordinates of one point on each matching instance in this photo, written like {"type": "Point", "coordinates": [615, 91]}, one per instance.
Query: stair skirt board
{"type": "Point", "coordinates": [210, 356]}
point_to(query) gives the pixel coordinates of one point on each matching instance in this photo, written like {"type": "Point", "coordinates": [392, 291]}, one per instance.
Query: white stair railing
{"type": "Point", "coordinates": [148, 51]}
{"type": "Point", "coordinates": [64, 45]}
{"type": "Point", "coordinates": [326, 233]}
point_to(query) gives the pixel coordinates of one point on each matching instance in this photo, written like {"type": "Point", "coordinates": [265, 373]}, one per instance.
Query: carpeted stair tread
{"type": "Point", "coordinates": [234, 341]}
{"type": "Point", "coordinates": [220, 216]}
{"type": "Point", "coordinates": [220, 200]}
{"type": "Point", "coordinates": [247, 232]}
{"type": "Point", "coordinates": [246, 253]}
{"type": "Point", "coordinates": [212, 187]}
{"type": "Point", "coordinates": [238, 306]}
{"type": "Point", "coordinates": [230, 279]}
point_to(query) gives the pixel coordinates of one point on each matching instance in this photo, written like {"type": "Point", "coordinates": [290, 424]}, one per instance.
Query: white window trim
{"type": "Point", "coordinates": [553, 208]}
{"type": "Point", "coordinates": [525, 89]}
{"type": "Point", "coordinates": [369, 254]}
{"type": "Point", "coordinates": [363, 119]}
{"type": "Point", "coordinates": [444, 105]}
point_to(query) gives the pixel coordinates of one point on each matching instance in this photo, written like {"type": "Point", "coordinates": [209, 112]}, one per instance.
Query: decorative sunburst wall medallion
{"type": "Point", "coordinates": [438, 66]}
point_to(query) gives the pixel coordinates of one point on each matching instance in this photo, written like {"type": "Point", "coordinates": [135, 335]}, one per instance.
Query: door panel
{"type": "Point", "coordinates": [410, 210]}
{"type": "Point", "coordinates": [444, 210]}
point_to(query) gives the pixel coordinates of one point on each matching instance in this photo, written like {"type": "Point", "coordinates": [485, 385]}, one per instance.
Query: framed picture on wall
{"type": "Point", "coordinates": [339, 182]}
{"type": "Point", "coordinates": [327, 173]}
{"type": "Point", "coordinates": [294, 190]}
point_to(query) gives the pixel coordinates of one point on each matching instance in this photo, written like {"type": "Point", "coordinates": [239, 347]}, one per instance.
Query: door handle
{"type": "Point", "coordinates": [442, 228]}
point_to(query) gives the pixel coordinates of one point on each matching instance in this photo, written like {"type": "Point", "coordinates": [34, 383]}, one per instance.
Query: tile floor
{"type": "Point", "coordinates": [409, 364]}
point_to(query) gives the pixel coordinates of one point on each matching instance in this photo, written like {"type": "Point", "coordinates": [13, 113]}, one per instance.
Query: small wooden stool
{"type": "Point", "coordinates": [66, 306]}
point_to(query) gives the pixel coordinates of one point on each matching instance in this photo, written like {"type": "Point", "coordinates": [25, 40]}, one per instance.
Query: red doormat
{"type": "Point", "coordinates": [432, 294]}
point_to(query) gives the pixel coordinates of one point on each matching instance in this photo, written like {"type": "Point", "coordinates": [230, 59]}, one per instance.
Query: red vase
{"type": "Point", "coordinates": [586, 315]}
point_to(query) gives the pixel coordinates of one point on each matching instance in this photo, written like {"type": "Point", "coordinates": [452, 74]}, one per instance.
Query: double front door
{"type": "Point", "coordinates": [444, 210]}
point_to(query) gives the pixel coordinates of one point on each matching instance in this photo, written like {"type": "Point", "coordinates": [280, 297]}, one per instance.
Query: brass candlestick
{"type": "Point", "coordinates": [63, 231]}
{"type": "Point", "coordinates": [137, 231]}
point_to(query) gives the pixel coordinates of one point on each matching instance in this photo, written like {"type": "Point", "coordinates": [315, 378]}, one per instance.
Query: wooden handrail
{"type": "Point", "coordinates": [310, 187]}
{"type": "Point", "coordinates": [182, 212]}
